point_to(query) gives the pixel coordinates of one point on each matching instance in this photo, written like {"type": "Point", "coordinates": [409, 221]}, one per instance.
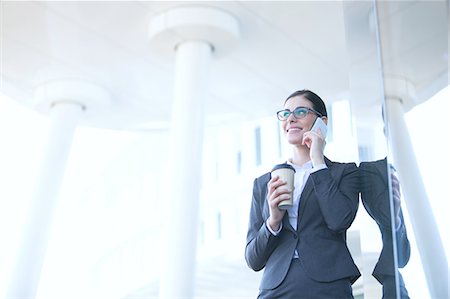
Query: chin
{"type": "Point", "coordinates": [294, 141]}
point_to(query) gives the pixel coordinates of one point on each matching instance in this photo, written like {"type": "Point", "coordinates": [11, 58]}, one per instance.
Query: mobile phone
{"type": "Point", "coordinates": [320, 124]}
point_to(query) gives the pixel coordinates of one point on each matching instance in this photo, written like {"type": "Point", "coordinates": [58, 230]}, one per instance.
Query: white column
{"type": "Point", "coordinates": [30, 257]}
{"type": "Point", "coordinates": [192, 63]}
{"type": "Point", "coordinates": [194, 33]}
{"type": "Point", "coordinates": [65, 101]}
{"type": "Point", "coordinates": [429, 243]}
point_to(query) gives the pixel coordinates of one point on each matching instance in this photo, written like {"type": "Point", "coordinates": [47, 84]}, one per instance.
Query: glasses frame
{"type": "Point", "coordinates": [292, 112]}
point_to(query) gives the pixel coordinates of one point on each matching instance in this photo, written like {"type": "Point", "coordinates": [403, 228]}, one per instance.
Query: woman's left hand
{"type": "Point", "coordinates": [315, 141]}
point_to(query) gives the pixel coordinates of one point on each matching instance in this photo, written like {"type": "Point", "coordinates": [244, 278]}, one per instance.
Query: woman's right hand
{"type": "Point", "coordinates": [278, 191]}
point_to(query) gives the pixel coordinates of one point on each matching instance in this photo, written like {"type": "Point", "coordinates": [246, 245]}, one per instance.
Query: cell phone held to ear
{"type": "Point", "coordinates": [320, 124]}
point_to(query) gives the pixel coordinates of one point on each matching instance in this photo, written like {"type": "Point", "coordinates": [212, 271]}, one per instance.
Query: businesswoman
{"type": "Point", "coordinates": [303, 249]}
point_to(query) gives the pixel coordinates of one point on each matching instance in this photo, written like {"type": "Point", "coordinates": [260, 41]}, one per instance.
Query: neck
{"type": "Point", "coordinates": [300, 155]}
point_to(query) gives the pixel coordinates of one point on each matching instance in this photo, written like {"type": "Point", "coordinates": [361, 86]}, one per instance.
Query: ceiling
{"type": "Point", "coordinates": [329, 47]}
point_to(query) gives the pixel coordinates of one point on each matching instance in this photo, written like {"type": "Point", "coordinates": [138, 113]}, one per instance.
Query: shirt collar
{"type": "Point", "coordinates": [307, 165]}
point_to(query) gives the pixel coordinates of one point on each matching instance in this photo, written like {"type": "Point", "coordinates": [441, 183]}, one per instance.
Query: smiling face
{"type": "Point", "coordinates": [294, 128]}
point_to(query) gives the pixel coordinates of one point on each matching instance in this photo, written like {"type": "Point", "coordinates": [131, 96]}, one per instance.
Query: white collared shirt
{"type": "Point", "coordinates": [301, 176]}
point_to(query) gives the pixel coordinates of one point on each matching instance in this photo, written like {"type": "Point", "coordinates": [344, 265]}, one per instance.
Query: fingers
{"type": "Point", "coordinates": [274, 183]}
{"type": "Point", "coordinates": [277, 199]}
{"type": "Point", "coordinates": [394, 181]}
{"type": "Point", "coordinates": [307, 141]}
{"type": "Point", "coordinates": [278, 191]}
{"type": "Point", "coordinates": [395, 184]}
{"type": "Point", "coordinates": [316, 144]}
{"type": "Point", "coordinates": [312, 134]}
{"type": "Point", "coordinates": [311, 137]}
{"type": "Point", "coordinates": [396, 194]}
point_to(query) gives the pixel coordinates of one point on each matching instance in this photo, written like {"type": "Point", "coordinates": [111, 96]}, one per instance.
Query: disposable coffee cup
{"type": "Point", "coordinates": [286, 173]}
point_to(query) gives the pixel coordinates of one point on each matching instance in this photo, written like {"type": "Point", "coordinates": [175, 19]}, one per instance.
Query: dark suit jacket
{"type": "Point", "coordinates": [375, 198]}
{"type": "Point", "coordinates": [327, 208]}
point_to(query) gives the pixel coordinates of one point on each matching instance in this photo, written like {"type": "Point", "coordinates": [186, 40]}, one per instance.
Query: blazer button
{"type": "Point", "coordinates": [295, 236]}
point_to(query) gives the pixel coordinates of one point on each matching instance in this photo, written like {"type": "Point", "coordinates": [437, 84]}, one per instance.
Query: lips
{"type": "Point", "coordinates": [293, 129]}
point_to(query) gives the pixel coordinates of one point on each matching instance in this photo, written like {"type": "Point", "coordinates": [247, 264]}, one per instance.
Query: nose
{"type": "Point", "coordinates": [291, 118]}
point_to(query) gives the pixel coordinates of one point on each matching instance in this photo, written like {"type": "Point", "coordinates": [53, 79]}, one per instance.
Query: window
{"type": "Point", "coordinates": [258, 146]}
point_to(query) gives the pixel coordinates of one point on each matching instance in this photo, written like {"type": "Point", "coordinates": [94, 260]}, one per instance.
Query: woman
{"type": "Point", "coordinates": [303, 249]}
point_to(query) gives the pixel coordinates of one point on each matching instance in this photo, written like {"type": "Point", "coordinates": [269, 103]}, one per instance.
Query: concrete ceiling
{"type": "Point", "coordinates": [327, 46]}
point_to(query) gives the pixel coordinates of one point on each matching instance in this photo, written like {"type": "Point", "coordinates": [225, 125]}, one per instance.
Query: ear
{"type": "Point", "coordinates": [325, 119]}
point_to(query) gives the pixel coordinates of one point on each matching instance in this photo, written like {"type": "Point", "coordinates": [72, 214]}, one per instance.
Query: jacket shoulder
{"type": "Point", "coordinates": [348, 165]}
{"type": "Point", "coordinates": [373, 164]}
{"type": "Point", "coordinates": [263, 179]}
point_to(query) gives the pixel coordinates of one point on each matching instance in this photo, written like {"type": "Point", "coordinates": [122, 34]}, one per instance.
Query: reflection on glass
{"type": "Point", "coordinates": [375, 191]}
{"type": "Point", "coordinates": [376, 259]}
{"type": "Point", "coordinates": [413, 47]}
{"type": "Point", "coordinates": [398, 58]}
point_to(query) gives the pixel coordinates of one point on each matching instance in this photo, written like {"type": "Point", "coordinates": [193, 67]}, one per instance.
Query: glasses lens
{"type": "Point", "coordinates": [283, 114]}
{"type": "Point", "coordinates": [300, 112]}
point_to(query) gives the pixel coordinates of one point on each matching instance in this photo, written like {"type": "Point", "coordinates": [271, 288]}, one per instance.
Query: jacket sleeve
{"type": "Point", "coordinates": [260, 241]}
{"type": "Point", "coordinates": [337, 194]}
{"type": "Point", "coordinates": [375, 196]}
{"type": "Point", "coordinates": [403, 245]}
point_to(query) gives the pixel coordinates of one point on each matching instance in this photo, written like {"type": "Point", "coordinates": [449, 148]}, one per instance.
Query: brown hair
{"type": "Point", "coordinates": [317, 102]}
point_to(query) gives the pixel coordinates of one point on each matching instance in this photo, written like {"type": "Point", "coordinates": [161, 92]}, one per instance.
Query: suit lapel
{"type": "Point", "coordinates": [304, 198]}
{"type": "Point", "coordinates": [286, 222]}
{"type": "Point", "coordinates": [381, 167]}
{"type": "Point", "coordinates": [307, 194]}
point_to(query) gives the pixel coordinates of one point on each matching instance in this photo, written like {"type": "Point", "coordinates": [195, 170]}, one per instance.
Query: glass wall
{"type": "Point", "coordinates": [405, 248]}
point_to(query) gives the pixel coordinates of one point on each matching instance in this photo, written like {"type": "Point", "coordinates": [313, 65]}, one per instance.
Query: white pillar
{"type": "Point", "coordinates": [25, 280]}
{"type": "Point", "coordinates": [65, 102]}
{"type": "Point", "coordinates": [192, 63]}
{"type": "Point", "coordinates": [194, 33]}
{"type": "Point", "coordinates": [429, 243]}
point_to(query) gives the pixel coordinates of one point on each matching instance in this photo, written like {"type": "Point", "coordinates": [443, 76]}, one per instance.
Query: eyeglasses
{"type": "Point", "coordinates": [299, 112]}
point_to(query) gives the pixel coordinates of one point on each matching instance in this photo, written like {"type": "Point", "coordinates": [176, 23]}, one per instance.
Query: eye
{"type": "Point", "coordinates": [300, 112]}
{"type": "Point", "coordinates": [283, 114]}
{"type": "Point", "coordinates": [286, 113]}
